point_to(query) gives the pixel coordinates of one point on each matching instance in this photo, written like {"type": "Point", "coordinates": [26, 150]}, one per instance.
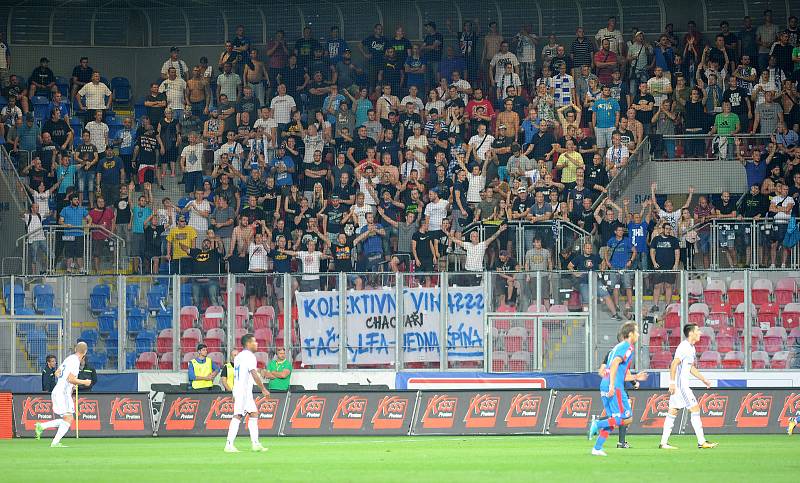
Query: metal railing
{"type": "Point", "coordinates": [494, 321]}
{"type": "Point", "coordinates": [705, 146]}
{"type": "Point", "coordinates": [638, 158]}
{"type": "Point", "coordinates": [54, 238]}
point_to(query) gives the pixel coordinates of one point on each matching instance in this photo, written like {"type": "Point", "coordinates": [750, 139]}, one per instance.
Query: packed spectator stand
{"type": "Point", "coordinates": [195, 213]}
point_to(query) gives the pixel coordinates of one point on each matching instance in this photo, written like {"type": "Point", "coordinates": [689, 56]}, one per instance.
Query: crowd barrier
{"type": "Point", "coordinates": [372, 413]}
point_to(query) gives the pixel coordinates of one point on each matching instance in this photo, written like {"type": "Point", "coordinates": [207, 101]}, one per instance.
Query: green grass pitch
{"type": "Point", "coordinates": [491, 459]}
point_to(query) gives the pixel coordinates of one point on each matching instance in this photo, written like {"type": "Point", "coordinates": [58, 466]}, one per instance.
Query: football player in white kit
{"type": "Point", "coordinates": [681, 396]}
{"type": "Point", "coordinates": [245, 373]}
{"type": "Point", "coordinates": [63, 404]}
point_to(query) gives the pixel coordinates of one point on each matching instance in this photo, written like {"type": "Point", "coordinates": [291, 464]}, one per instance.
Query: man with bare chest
{"type": "Point", "coordinates": [240, 242]}
{"type": "Point", "coordinates": [199, 93]}
{"type": "Point", "coordinates": [255, 74]}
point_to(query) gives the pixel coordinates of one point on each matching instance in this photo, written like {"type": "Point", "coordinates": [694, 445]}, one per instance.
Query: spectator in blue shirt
{"type": "Point", "coordinates": [30, 134]}
{"type": "Point", "coordinates": [282, 167]}
{"type": "Point", "coordinates": [638, 229]}
{"type": "Point", "coordinates": [140, 219]}
{"type": "Point", "coordinates": [530, 126]}
{"type": "Point", "coordinates": [415, 69]}
{"type": "Point", "coordinates": [372, 249]}
{"type": "Point", "coordinates": [620, 256]}
{"type": "Point", "coordinates": [755, 168]}
{"type": "Point", "coordinates": [75, 217]}
{"type": "Point", "coordinates": [65, 171]}
{"type": "Point", "coordinates": [125, 140]}
{"type": "Point", "coordinates": [605, 116]}
{"type": "Point", "coordinates": [450, 64]}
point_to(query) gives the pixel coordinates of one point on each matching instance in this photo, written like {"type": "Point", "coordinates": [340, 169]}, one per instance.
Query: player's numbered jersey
{"type": "Point", "coordinates": [242, 365]}
{"type": "Point", "coordinates": [686, 353]}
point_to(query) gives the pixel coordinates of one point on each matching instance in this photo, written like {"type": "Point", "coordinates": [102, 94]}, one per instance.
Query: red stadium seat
{"type": "Point", "coordinates": [761, 293]}
{"type": "Point", "coordinates": [217, 357]}
{"type": "Point", "coordinates": [213, 317]}
{"type": "Point", "coordinates": [709, 360]}
{"type": "Point", "coordinates": [242, 315]}
{"type": "Point", "coordinates": [189, 316]}
{"type": "Point", "coordinates": [262, 359]}
{"type": "Point", "coordinates": [768, 315]}
{"type": "Point", "coordinates": [499, 361]}
{"type": "Point", "coordinates": [736, 292]}
{"type": "Point", "coordinates": [147, 360]}
{"type": "Point", "coordinates": [240, 291]}
{"type": "Point", "coordinates": [190, 339]}
{"type": "Point", "coordinates": [263, 317]}
{"type": "Point", "coordinates": [658, 337]}
{"type": "Point", "coordinates": [785, 291]}
{"type": "Point", "coordinates": [706, 339]}
{"type": "Point", "coordinates": [215, 340]}
{"type": "Point", "coordinates": [733, 360]}
{"type": "Point", "coordinates": [263, 337]}
{"type": "Point", "coordinates": [774, 340]}
{"type": "Point", "coordinates": [514, 339]}
{"type": "Point", "coordinates": [164, 341]}
{"type": "Point", "coordinates": [186, 358]}
{"type": "Point", "coordinates": [520, 361]}
{"type": "Point", "coordinates": [790, 318]}
{"type": "Point", "coordinates": [781, 360]}
{"type": "Point", "coordinates": [725, 343]}
{"type": "Point", "coordinates": [698, 313]}
{"type": "Point", "coordinates": [714, 292]}
{"type": "Point", "coordinates": [165, 363]}
{"type": "Point", "coordinates": [759, 360]}
{"type": "Point", "coordinates": [661, 360]}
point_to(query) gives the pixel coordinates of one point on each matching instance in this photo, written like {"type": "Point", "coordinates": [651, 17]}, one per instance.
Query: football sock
{"type": "Point", "coordinates": [53, 423]}
{"type": "Point", "coordinates": [669, 421]}
{"type": "Point", "coordinates": [623, 431]}
{"type": "Point", "coordinates": [601, 439]}
{"type": "Point", "coordinates": [697, 424]}
{"type": "Point", "coordinates": [62, 430]}
{"type": "Point", "coordinates": [252, 425]}
{"type": "Point", "coordinates": [233, 428]}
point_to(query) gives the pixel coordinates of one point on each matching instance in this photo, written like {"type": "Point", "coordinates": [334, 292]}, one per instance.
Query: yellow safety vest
{"type": "Point", "coordinates": [230, 373]}
{"type": "Point", "coordinates": [202, 369]}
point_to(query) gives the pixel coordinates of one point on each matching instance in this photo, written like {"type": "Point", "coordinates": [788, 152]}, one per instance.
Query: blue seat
{"type": "Point", "coordinates": [99, 298]}
{"type": "Point", "coordinates": [121, 87]}
{"type": "Point", "coordinates": [164, 319]}
{"type": "Point", "coordinates": [155, 296]}
{"type": "Point", "coordinates": [43, 297]}
{"type": "Point", "coordinates": [112, 343]}
{"type": "Point", "coordinates": [136, 317]}
{"type": "Point", "coordinates": [107, 322]}
{"type": "Point", "coordinates": [41, 105]}
{"type": "Point", "coordinates": [132, 295]}
{"type": "Point", "coordinates": [77, 128]}
{"type": "Point", "coordinates": [63, 86]}
{"type": "Point", "coordinates": [114, 126]}
{"type": "Point", "coordinates": [186, 295]}
{"type": "Point", "coordinates": [52, 329]}
{"type": "Point", "coordinates": [139, 108]}
{"type": "Point", "coordinates": [25, 311]}
{"type": "Point", "coordinates": [19, 296]}
{"type": "Point", "coordinates": [145, 341]}
{"type": "Point", "coordinates": [130, 360]}
{"type": "Point", "coordinates": [98, 360]}
{"type": "Point", "coordinates": [90, 337]}
{"type": "Point", "coordinates": [25, 328]}
{"type": "Point", "coordinates": [37, 344]}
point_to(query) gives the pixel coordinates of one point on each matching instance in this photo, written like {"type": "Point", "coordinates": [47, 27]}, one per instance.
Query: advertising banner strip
{"type": "Point", "coordinates": [101, 414]}
{"type": "Point", "coordinates": [482, 412]}
{"type": "Point", "coordinates": [209, 413]}
{"type": "Point", "coordinates": [353, 413]}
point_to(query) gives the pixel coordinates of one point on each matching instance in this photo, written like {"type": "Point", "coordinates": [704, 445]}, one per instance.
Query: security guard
{"type": "Point", "coordinates": [226, 377]}
{"type": "Point", "coordinates": [202, 370]}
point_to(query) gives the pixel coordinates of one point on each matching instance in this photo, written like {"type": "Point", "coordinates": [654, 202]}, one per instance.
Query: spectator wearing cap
{"type": "Point", "coordinates": [174, 62]}
{"type": "Point", "coordinates": [202, 370]}
{"type": "Point", "coordinates": [42, 78]}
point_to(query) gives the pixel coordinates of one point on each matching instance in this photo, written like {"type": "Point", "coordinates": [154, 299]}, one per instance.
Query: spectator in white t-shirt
{"type": "Point", "coordinates": [177, 94]}
{"type": "Point", "coordinates": [781, 206]}
{"type": "Point", "coordinates": [98, 131]}
{"type": "Point", "coordinates": [174, 63]}
{"type": "Point", "coordinates": [476, 249]}
{"type": "Point", "coordinates": [668, 213]}
{"type": "Point", "coordinates": [310, 260]}
{"type": "Point", "coordinates": [199, 210]}
{"type": "Point", "coordinates": [435, 210]}
{"type": "Point", "coordinates": [95, 93]}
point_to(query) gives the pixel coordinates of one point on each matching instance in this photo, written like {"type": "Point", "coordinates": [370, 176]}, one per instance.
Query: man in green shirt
{"type": "Point", "coordinates": [279, 371]}
{"type": "Point", "coordinates": [725, 123]}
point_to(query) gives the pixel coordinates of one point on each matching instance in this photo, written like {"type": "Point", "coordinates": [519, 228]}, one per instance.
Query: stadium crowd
{"type": "Point", "coordinates": [301, 158]}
